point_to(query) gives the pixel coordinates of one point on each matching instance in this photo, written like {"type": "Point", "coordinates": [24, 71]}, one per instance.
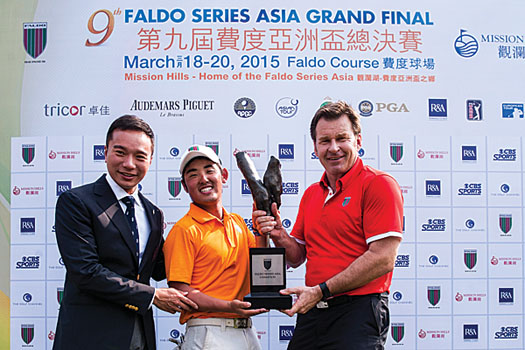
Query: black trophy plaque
{"type": "Point", "coordinates": [267, 278]}
{"type": "Point", "coordinates": [267, 265]}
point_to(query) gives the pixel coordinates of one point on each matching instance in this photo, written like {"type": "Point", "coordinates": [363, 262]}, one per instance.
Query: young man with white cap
{"type": "Point", "coordinates": [207, 255]}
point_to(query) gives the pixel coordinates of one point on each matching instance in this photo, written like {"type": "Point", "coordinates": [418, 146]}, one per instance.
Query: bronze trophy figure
{"type": "Point", "coordinates": [267, 265]}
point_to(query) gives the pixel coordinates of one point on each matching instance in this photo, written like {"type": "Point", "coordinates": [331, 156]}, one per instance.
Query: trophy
{"type": "Point", "coordinates": [267, 265]}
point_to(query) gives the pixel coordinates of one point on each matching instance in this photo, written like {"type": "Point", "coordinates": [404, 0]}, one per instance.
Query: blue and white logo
{"type": "Point", "coordinates": [507, 332]}
{"type": "Point", "coordinates": [62, 186]}
{"type": "Point", "coordinates": [286, 223]}
{"type": "Point", "coordinates": [470, 332]}
{"type": "Point", "coordinates": [437, 108]}
{"type": "Point", "coordinates": [291, 187]}
{"type": "Point", "coordinates": [505, 155]}
{"type": "Point", "coordinates": [434, 225]}
{"type": "Point", "coordinates": [397, 296]}
{"type": "Point", "coordinates": [174, 333]}
{"type": "Point", "coordinates": [244, 107]}
{"type": "Point", "coordinates": [433, 259]}
{"type": "Point", "coordinates": [245, 189]}
{"type": "Point", "coordinates": [470, 189]}
{"type": "Point", "coordinates": [286, 332]}
{"type": "Point", "coordinates": [174, 151]}
{"type": "Point", "coordinates": [433, 188]}
{"type": "Point", "coordinates": [287, 107]}
{"type": "Point", "coordinates": [98, 152]}
{"type": "Point", "coordinates": [365, 108]}
{"type": "Point", "coordinates": [28, 262]}
{"type": "Point", "coordinates": [470, 223]}
{"type": "Point", "coordinates": [27, 297]}
{"type": "Point", "coordinates": [286, 151]}
{"type": "Point", "coordinates": [505, 188]}
{"type": "Point", "coordinates": [506, 295]}
{"type": "Point", "coordinates": [402, 260]}
{"type": "Point", "coordinates": [466, 45]}
{"type": "Point", "coordinates": [469, 153]}
{"type": "Point", "coordinates": [27, 226]}
{"type": "Point", "coordinates": [512, 110]}
{"type": "Point", "coordinates": [361, 152]}
{"type": "Point", "coordinates": [474, 110]}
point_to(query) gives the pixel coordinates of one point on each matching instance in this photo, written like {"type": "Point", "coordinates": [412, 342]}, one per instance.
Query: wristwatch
{"type": "Point", "coordinates": [325, 290]}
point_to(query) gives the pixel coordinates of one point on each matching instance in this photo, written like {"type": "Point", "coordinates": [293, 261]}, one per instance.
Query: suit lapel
{"type": "Point", "coordinates": [152, 214]}
{"type": "Point", "coordinates": [113, 213]}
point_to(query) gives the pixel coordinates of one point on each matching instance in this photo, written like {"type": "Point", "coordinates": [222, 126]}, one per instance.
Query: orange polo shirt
{"type": "Point", "coordinates": [210, 256]}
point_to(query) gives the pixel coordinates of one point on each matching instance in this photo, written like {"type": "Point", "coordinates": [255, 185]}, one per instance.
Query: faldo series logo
{"type": "Point", "coordinates": [505, 224]}
{"type": "Point", "coordinates": [174, 187]}
{"type": "Point", "coordinates": [214, 145]}
{"type": "Point", "coordinates": [433, 295]}
{"type": "Point", "coordinates": [396, 152]}
{"type": "Point", "coordinates": [28, 154]}
{"type": "Point", "coordinates": [397, 331]}
{"type": "Point", "coordinates": [27, 332]}
{"type": "Point", "coordinates": [470, 258]}
{"type": "Point", "coordinates": [35, 40]}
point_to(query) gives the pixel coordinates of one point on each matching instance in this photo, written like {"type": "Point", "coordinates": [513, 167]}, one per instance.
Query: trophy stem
{"type": "Point", "coordinates": [262, 241]}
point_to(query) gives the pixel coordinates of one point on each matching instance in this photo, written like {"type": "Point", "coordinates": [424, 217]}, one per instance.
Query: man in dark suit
{"type": "Point", "coordinates": [110, 238]}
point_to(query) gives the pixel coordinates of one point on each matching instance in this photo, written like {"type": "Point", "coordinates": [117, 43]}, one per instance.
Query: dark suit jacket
{"type": "Point", "coordinates": [105, 288]}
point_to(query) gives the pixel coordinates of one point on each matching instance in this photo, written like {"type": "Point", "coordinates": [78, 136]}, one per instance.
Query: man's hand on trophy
{"type": "Point", "coordinates": [241, 308]}
{"type": "Point", "coordinates": [307, 298]}
{"type": "Point", "coordinates": [268, 225]}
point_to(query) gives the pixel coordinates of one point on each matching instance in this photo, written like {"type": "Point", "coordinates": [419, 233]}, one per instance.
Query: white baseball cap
{"type": "Point", "coordinates": [198, 151]}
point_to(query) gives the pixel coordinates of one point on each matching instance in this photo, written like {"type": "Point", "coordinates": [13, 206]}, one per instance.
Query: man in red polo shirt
{"type": "Point", "coordinates": [348, 230]}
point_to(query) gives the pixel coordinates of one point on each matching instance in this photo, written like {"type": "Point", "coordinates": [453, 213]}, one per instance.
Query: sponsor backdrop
{"type": "Point", "coordinates": [439, 88]}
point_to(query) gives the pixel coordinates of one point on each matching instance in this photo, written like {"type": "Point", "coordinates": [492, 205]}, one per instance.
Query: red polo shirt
{"type": "Point", "coordinates": [366, 206]}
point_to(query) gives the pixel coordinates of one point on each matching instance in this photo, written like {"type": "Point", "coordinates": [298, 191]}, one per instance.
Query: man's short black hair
{"type": "Point", "coordinates": [131, 122]}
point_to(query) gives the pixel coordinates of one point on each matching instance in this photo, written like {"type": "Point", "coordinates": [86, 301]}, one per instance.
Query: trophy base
{"type": "Point", "coordinates": [269, 301]}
